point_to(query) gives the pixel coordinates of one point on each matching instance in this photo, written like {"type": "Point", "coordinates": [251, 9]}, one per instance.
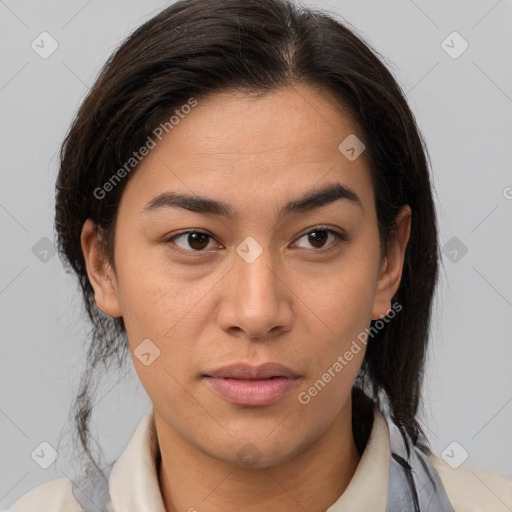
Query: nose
{"type": "Point", "coordinates": [256, 299]}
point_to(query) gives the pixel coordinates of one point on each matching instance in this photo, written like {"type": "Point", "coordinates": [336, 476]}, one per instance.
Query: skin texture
{"type": "Point", "coordinates": [294, 304]}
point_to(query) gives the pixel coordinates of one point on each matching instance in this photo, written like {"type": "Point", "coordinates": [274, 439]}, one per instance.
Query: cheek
{"type": "Point", "coordinates": [339, 311]}
{"type": "Point", "coordinates": [327, 391]}
{"type": "Point", "coordinates": [158, 303]}
{"type": "Point", "coordinates": [343, 301]}
{"type": "Point", "coordinates": [170, 315]}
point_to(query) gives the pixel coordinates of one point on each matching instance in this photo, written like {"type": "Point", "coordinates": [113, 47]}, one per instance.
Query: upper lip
{"type": "Point", "coordinates": [245, 371]}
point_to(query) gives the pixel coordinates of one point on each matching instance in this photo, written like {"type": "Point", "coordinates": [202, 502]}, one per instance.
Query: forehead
{"type": "Point", "coordinates": [245, 147]}
{"type": "Point", "coordinates": [294, 119]}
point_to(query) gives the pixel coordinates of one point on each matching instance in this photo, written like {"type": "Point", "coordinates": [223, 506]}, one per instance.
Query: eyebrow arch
{"type": "Point", "coordinates": [311, 200]}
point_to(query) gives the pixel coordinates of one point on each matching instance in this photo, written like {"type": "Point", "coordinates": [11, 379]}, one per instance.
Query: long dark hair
{"type": "Point", "coordinates": [198, 47]}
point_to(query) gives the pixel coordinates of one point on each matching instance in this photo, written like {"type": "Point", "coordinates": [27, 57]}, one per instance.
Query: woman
{"type": "Point", "coordinates": [245, 199]}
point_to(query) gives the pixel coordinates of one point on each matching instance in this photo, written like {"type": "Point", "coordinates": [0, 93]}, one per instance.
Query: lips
{"type": "Point", "coordinates": [251, 386]}
{"type": "Point", "coordinates": [244, 371]}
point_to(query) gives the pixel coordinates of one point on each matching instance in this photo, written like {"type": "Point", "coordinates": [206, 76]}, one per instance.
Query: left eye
{"type": "Point", "coordinates": [319, 235]}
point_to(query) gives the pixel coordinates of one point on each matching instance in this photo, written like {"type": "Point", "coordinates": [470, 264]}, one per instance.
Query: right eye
{"type": "Point", "coordinates": [195, 240]}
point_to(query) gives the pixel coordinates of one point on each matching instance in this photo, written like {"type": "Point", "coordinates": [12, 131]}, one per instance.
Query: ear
{"type": "Point", "coordinates": [101, 275]}
{"type": "Point", "coordinates": [392, 264]}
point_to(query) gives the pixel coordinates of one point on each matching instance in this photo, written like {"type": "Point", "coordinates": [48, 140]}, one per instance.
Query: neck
{"type": "Point", "coordinates": [312, 480]}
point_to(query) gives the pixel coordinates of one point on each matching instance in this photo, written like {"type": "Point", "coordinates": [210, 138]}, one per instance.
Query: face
{"type": "Point", "coordinates": [200, 290]}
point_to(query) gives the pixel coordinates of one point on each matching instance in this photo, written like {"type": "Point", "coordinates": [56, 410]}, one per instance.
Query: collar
{"type": "Point", "coordinates": [134, 485]}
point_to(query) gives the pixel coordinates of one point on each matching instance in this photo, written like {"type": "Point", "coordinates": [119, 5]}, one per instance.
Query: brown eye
{"type": "Point", "coordinates": [195, 240]}
{"type": "Point", "coordinates": [318, 237]}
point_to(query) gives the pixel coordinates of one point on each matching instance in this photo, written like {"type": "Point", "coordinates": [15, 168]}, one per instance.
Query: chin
{"type": "Point", "coordinates": [249, 451]}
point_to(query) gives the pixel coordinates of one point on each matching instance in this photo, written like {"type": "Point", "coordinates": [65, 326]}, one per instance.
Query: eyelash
{"type": "Point", "coordinates": [340, 238]}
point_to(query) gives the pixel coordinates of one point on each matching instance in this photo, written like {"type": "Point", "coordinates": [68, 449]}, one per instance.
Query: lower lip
{"type": "Point", "coordinates": [252, 392]}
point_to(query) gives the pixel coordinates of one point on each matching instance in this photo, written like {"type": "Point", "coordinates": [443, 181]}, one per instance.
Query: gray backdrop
{"type": "Point", "coordinates": [462, 98]}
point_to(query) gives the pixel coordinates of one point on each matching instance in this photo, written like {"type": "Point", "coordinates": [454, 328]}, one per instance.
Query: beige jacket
{"type": "Point", "coordinates": [134, 486]}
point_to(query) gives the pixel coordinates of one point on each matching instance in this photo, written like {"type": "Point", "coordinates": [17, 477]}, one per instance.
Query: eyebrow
{"type": "Point", "coordinates": [309, 201]}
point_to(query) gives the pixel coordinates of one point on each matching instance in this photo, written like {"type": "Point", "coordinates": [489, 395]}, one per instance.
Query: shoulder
{"type": "Point", "coordinates": [55, 496]}
{"type": "Point", "coordinates": [472, 489]}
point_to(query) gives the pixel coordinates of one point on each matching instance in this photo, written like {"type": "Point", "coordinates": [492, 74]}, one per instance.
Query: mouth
{"type": "Point", "coordinates": [250, 386]}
